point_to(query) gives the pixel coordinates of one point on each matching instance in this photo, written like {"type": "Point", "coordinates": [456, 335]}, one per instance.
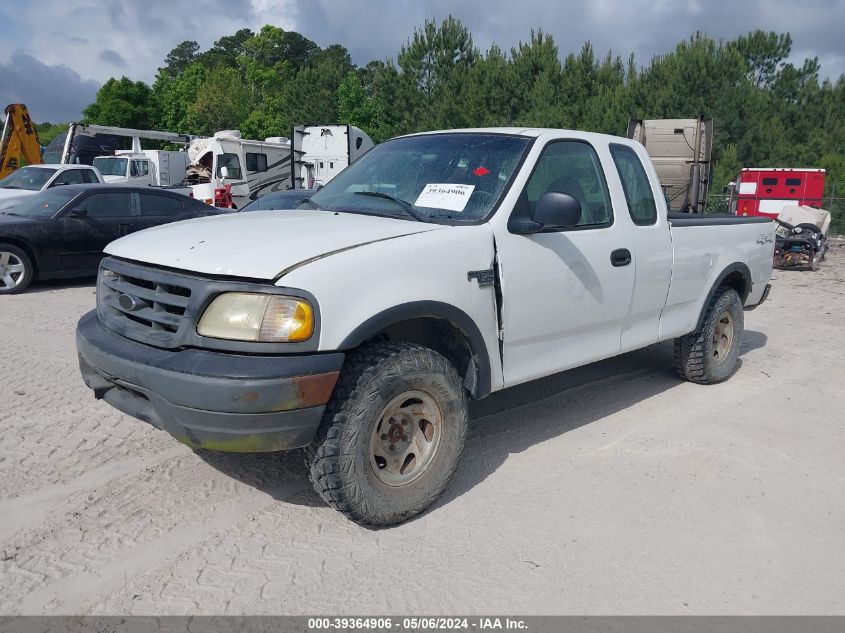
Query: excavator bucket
{"type": "Point", "coordinates": [20, 144]}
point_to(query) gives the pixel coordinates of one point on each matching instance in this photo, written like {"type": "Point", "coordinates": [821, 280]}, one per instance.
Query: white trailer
{"type": "Point", "coordinates": [321, 152]}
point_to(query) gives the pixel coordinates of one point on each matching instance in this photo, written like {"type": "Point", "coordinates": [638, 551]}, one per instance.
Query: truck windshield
{"type": "Point", "coordinates": [451, 178]}
{"type": "Point", "coordinates": [29, 178]}
{"type": "Point", "coordinates": [111, 165]}
{"type": "Point", "coordinates": [43, 205]}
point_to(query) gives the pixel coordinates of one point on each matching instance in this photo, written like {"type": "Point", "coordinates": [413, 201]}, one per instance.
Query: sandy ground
{"type": "Point", "coordinates": [615, 488]}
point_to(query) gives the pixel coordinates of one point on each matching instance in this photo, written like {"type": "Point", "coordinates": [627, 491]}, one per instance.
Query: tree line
{"type": "Point", "coordinates": [767, 110]}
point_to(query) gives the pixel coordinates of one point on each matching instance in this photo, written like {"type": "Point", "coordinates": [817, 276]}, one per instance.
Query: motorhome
{"type": "Point", "coordinates": [250, 168]}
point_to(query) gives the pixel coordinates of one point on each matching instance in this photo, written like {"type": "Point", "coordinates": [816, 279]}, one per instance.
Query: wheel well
{"type": "Point", "coordinates": [738, 282]}
{"type": "Point", "coordinates": [444, 338]}
{"type": "Point", "coordinates": [26, 249]}
{"type": "Point", "coordinates": [736, 276]}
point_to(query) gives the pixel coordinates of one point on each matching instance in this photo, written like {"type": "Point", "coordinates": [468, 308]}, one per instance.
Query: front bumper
{"type": "Point", "coordinates": [212, 400]}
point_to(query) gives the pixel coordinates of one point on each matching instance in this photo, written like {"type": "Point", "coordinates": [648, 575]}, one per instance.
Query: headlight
{"type": "Point", "coordinates": [246, 316]}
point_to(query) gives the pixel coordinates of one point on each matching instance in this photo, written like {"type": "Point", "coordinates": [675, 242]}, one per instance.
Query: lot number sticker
{"type": "Point", "coordinates": [445, 196]}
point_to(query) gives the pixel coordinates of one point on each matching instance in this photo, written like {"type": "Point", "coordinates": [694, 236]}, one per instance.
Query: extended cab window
{"type": "Point", "coordinates": [635, 184]}
{"type": "Point", "coordinates": [570, 167]}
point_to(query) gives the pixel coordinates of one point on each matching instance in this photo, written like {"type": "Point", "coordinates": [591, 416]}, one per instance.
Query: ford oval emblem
{"type": "Point", "coordinates": [129, 303]}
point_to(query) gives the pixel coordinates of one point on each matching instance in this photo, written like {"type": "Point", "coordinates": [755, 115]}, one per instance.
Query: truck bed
{"type": "Point", "coordinates": [697, 219]}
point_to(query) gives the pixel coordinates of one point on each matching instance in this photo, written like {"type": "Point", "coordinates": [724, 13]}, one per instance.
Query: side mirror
{"type": "Point", "coordinates": [554, 210]}
{"type": "Point", "coordinates": [224, 172]}
{"type": "Point", "coordinates": [78, 213]}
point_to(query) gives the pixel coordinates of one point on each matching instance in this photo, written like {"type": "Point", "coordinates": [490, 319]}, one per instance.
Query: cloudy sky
{"type": "Point", "coordinates": [57, 52]}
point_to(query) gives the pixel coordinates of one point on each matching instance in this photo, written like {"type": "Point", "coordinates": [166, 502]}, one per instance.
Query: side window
{"type": "Point", "coordinates": [144, 167]}
{"type": "Point", "coordinates": [69, 177]}
{"type": "Point", "coordinates": [571, 167]}
{"type": "Point", "coordinates": [156, 204]}
{"type": "Point", "coordinates": [231, 163]}
{"type": "Point", "coordinates": [108, 205]}
{"type": "Point", "coordinates": [636, 185]}
{"type": "Point", "coordinates": [256, 162]}
{"type": "Point", "coordinates": [89, 177]}
{"type": "Point", "coordinates": [771, 181]}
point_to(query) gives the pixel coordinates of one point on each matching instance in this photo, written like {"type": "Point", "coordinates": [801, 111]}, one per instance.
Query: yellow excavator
{"type": "Point", "coordinates": [20, 145]}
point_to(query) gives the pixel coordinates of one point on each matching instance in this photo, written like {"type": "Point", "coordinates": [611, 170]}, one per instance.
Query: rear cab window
{"type": "Point", "coordinates": [635, 183]}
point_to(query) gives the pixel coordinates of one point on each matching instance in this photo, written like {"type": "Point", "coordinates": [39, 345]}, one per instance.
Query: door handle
{"type": "Point", "coordinates": [620, 257]}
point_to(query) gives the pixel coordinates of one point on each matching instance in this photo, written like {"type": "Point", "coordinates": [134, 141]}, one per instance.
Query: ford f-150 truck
{"type": "Point", "coordinates": [437, 268]}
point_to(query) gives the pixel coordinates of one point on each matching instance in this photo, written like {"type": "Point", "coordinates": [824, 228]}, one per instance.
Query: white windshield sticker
{"type": "Point", "coordinates": [445, 196]}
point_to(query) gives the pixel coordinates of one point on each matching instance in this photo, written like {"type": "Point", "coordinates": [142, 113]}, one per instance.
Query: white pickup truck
{"type": "Point", "coordinates": [438, 267]}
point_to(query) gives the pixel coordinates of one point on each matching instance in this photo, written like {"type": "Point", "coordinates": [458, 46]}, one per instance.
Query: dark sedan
{"type": "Point", "coordinates": [61, 232]}
{"type": "Point", "coordinates": [280, 200]}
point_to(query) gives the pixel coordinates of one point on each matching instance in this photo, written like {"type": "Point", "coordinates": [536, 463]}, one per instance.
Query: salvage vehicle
{"type": "Point", "coordinates": [801, 237]}
{"type": "Point", "coordinates": [31, 179]}
{"type": "Point", "coordinates": [437, 268]}
{"type": "Point", "coordinates": [61, 232]}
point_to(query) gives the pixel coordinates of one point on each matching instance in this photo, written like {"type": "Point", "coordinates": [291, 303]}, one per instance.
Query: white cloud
{"type": "Point", "coordinates": [92, 36]}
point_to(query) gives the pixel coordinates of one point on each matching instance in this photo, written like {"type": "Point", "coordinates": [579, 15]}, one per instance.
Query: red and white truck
{"type": "Point", "coordinates": [765, 191]}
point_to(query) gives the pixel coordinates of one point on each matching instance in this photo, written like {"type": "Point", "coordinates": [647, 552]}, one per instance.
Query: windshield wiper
{"type": "Point", "coordinates": [406, 206]}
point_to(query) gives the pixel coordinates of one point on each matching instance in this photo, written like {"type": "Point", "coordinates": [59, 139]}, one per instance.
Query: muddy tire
{"type": "Point", "coordinates": [391, 436]}
{"type": "Point", "coordinates": [16, 269]}
{"type": "Point", "coordinates": [709, 356]}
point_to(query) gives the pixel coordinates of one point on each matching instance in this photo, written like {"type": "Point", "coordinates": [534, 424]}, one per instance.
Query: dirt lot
{"type": "Point", "coordinates": [615, 488]}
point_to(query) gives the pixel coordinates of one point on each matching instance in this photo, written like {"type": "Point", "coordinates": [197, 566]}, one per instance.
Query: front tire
{"type": "Point", "coordinates": [391, 436]}
{"type": "Point", "coordinates": [709, 355]}
{"type": "Point", "coordinates": [16, 269]}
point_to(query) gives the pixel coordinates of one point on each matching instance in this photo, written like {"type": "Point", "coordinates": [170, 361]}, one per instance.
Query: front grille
{"type": "Point", "coordinates": [144, 303]}
{"type": "Point", "coordinates": [161, 307]}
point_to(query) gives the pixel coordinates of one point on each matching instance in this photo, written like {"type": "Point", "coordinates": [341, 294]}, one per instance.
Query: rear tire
{"type": "Point", "coordinates": [709, 355]}
{"type": "Point", "coordinates": [16, 269]}
{"type": "Point", "coordinates": [391, 436]}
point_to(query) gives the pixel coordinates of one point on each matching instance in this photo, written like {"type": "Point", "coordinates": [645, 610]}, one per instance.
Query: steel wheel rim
{"type": "Point", "coordinates": [723, 336]}
{"type": "Point", "coordinates": [405, 438]}
{"type": "Point", "coordinates": [12, 270]}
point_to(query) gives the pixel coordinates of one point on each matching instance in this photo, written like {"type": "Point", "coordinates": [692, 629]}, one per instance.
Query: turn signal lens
{"type": "Point", "coordinates": [245, 316]}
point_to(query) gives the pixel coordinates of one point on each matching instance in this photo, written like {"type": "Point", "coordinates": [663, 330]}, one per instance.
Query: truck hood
{"type": "Point", "coordinates": [10, 196]}
{"type": "Point", "coordinates": [259, 244]}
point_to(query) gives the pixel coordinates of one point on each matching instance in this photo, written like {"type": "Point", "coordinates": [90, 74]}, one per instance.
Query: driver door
{"type": "Point", "coordinates": [565, 296]}
{"type": "Point", "coordinates": [91, 224]}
